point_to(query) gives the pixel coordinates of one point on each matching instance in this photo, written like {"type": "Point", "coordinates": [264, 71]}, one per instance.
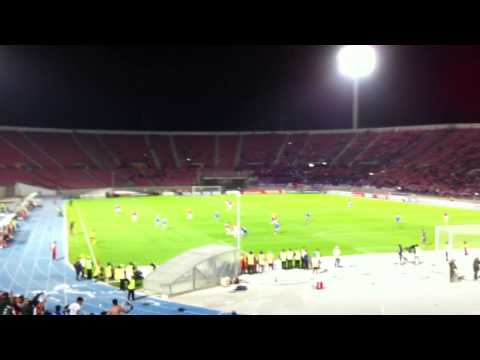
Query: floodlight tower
{"type": "Point", "coordinates": [356, 62]}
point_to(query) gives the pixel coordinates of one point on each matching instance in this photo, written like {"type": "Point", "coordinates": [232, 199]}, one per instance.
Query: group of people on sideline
{"type": "Point", "coordinates": [251, 263]}
{"type": "Point", "coordinates": [129, 277]}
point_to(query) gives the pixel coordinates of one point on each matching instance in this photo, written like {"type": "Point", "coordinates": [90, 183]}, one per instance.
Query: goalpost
{"type": "Point", "coordinates": [456, 235]}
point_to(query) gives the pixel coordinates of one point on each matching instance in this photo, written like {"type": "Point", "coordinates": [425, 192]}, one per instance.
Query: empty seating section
{"type": "Point", "coordinates": [161, 146]}
{"type": "Point", "coordinates": [197, 148]}
{"type": "Point", "coordinates": [20, 141]}
{"type": "Point", "coordinates": [324, 147]}
{"type": "Point", "coordinates": [441, 160]}
{"type": "Point", "coordinates": [95, 149]}
{"type": "Point", "coordinates": [261, 148]}
{"type": "Point", "coordinates": [293, 149]}
{"type": "Point", "coordinates": [358, 144]}
{"type": "Point", "coordinates": [61, 147]}
{"type": "Point", "coordinates": [227, 151]}
{"type": "Point", "coordinates": [127, 148]}
{"type": "Point", "coordinates": [11, 156]}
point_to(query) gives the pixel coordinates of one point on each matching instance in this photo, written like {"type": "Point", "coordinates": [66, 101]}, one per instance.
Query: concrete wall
{"type": "Point", "coordinates": [24, 190]}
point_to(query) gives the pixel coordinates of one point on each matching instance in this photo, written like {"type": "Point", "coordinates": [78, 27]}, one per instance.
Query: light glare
{"type": "Point", "coordinates": [356, 61]}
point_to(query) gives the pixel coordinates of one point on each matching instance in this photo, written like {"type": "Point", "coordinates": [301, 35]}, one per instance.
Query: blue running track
{"type": "Point", "coordinates": [26, 268]}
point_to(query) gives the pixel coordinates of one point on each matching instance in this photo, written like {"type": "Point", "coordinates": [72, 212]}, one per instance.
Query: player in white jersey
{"type": "Point", "coordinates": [118, 210]}
{"type": "Point", "coordinates": [189, 214]}
{"type": "Point", "coordinates": [350, 203]}
{"type": "Point", "coordinates": [164, 223]}
{"type": "Point", "coordinates": [134, 217]}
{"type": "Point", "coordinates": [445, 217]}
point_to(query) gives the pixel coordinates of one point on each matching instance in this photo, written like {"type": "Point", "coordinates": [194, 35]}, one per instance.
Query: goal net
{"type": "Point", "coordinates": [455, 236]}
{"type": "Point", "coordinates": [206, 190]}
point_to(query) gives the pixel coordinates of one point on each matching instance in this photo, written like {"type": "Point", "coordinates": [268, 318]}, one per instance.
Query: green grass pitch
{"type": "Point", "coordinates": [368, 227]}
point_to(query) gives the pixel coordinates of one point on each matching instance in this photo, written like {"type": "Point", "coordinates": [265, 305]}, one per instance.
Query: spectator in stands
{"type": "Point", "coordinates": [76, 307]}
{"type": "Point", "coordinates": [6, 304]}
{"type": "Point", "coordinates": [116, 309]}
{"type": "Point", "coordinates": [58, 310]}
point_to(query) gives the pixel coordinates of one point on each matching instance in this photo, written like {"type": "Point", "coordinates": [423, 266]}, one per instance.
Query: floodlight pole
{"type": "Point", "coordinates": [355, 104]}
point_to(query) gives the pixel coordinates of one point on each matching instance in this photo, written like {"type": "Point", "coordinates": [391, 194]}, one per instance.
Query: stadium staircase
{"type": "Point", "coordinates": [281, 150]}
{"type": "Point", "coordinates": [238, 154]}
{"type": "Point", "coordinates": [104, 146]}
{"type": "Point", "coordinates": [216, 154]}
{"type": "Point", "coordinates": [364, 150]}
{"type": "Point", "coordinates": [42, 151]}
{"type": "Point", "coordinates": [152, 152]}
{"type": "Point", "coordinates": [337, 158]}
{"type": "Point", "coordinates": [87, 151]}
{"type": "Point", "coordinates": [17, 155]}
{"type": "Point", "coordinates": [173, 149]}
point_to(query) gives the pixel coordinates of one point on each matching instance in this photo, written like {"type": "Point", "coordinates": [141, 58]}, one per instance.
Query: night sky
{"type": "Point", "coordinates": [233, 87]}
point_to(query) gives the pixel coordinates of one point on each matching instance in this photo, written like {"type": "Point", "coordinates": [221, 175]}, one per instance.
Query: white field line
{"type": "Point", "coordinates": [85, 236]}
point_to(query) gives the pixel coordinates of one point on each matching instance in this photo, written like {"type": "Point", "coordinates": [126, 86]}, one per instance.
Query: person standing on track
{"type": "Point", "coordinates": [53, 248]}
{"type": "Point", "coordinates": [131, 289]}
{"type": "Point", "coordinates": [283, 259]}
{"type": "Point", "coordinates": [336, 255]}
{"type": "Point", "coordinates": [476, 268]}
{"type": "Point", "coordinates": [78, 270]}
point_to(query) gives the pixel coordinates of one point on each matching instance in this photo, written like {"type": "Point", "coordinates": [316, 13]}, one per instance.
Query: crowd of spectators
{"type": "Point", "coordinates": [11, 304]}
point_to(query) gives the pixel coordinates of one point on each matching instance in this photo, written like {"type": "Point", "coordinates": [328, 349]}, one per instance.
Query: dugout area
{"type": "Point", "coordinates": [196, 269]}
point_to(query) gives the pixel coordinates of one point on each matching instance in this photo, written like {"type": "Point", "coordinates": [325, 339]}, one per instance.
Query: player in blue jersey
{"type": "Point", "coordinates": [276, 227]}
{"type": "Point", "coordinates": [397, 219]}
{"type": "Point", "coordinates": [216, 216]}
{"type": "Point", "coordinates": [164, 223]}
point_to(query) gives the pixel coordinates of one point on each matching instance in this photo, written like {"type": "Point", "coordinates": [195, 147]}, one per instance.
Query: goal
{"type": "Point", "coordinates": [206, 190]}
{"type": "Point", "coordinates": [456, 235]}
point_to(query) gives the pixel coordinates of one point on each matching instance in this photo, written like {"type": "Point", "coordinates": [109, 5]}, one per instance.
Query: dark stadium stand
{"type": "Point", "coordinates": [417, 159]}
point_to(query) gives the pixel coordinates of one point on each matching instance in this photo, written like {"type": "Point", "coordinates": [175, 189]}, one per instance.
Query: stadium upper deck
{"type": "Point", "coordinates": [442, 159]}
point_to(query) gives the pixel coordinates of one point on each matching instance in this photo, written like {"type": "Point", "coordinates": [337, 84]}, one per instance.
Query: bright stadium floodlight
{"type": "Point", "coordinates": [311, 165]}
{"type": "Point", "coordinates": [356, 62]}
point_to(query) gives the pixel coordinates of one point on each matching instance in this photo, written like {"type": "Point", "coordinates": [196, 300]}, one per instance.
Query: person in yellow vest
{"type": "Point", "coordinates": [83, 261]}
{"type": "Point", "coordinates": [283, 259]}
{"type": "Point", "coordinates": [118, 272]}
{"type": "Point", "coordinates": [262, 261]}
{"type": "Point", "coordinates": [108, 272]}
{"type": "Point", "coordinates": [89, 268]}
{"type": "Point", "coordinates": [131, 289]}
{"type": "Point", "coordinates": [251, 262]}
{"type": "Point", "coordinates": [96, 271]}
{"type": "Point", "coordinates": [129, 271]}
{"type": "Point", "coordinates": [289, 259]}
{"type": "Point", "coordinates": [270, 260]}
{"type": "Point", "coordinates": [298, 259]}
